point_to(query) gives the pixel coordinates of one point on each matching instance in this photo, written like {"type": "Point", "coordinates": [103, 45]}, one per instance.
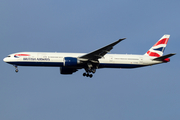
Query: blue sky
{"type": "Point", "coordinates": [83, 26]}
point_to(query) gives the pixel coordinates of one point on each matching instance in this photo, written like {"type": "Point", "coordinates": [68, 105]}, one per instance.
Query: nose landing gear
{"type": "Point", "coordinates": [16, 68]}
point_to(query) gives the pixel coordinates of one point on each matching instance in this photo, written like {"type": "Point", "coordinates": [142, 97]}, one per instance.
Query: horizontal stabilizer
{"type": "Point", "coordinates": [164, 57]}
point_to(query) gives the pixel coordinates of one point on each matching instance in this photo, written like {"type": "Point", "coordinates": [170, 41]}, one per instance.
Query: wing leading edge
{"type": "Point", "coordinates": [97, 54]}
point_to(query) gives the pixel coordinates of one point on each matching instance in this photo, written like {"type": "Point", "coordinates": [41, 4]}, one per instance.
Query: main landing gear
{"type": "Point", "coordinates": [87, 75]}
{"type": "Point", "coordinates": [90, 68]}
{"type": "Point", "coordinates": [88, 71]}
{"type": "Point", "coordinates": [16, 68]}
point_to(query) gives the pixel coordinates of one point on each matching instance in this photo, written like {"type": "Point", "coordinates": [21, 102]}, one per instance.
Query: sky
{"type": "Point", "coordinates": [34, 93]}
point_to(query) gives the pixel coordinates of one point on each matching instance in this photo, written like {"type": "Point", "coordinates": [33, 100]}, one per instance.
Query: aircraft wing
{"type": "Point", "coordinates": [95, 55]}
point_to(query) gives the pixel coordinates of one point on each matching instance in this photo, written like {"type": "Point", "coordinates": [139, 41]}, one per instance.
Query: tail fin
{"type": "Point", "coordinates": [158, 49]}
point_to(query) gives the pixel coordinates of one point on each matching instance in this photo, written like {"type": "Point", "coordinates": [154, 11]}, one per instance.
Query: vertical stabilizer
{"type": "Point", "coordinates": [158, 49]}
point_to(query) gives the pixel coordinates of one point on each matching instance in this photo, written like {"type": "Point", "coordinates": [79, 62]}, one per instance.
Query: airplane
{"type": "Point", "coordinates": [90, 62]}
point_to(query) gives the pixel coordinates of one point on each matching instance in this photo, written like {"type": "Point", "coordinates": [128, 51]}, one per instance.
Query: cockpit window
{"type": "Point", "coordinates": [9, 56]}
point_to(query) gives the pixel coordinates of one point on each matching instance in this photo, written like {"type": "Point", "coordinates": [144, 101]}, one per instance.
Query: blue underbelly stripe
{"type": "Point", "coordinates": [55, 64]}
{"type": "Point", "coordinates": [106, 65]}
{"type": "Point", "coordinates": [60, 64]}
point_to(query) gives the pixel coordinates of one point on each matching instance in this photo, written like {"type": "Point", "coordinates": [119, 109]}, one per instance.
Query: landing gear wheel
{"type": "Point", "coordinates": [16, 70]}
{"type": "Point", "coordinates": [84, 74]}
{"type": "Point", "coordinates": [90, 75]}
{"type": "Point", "coordinates": [87, 75]}
{"type": "Point", "coordinates": [16, 67]}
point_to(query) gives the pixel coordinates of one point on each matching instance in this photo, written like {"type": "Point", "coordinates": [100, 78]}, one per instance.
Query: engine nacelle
{"type": "Point", "coordinates": [64, 70]}
{"type": "Point", "coordinates": [70, 61]}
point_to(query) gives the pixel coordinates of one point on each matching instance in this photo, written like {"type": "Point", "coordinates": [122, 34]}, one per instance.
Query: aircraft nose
{"type": "Point", "coordinates": [5, 59]}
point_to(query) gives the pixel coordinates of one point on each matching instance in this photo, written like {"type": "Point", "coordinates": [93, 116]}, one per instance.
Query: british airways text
{"type": "Point", "coordinates": [45, 59]}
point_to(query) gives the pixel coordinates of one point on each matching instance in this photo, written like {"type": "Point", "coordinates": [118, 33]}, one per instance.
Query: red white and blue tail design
{"type": "Point", "coordinates": [158, 49]}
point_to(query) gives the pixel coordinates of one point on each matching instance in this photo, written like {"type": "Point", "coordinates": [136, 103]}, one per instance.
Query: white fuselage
{"type": "Point", "coordinates": [57, 60]}
{"type": "Point", "coordinates": [90, 62]}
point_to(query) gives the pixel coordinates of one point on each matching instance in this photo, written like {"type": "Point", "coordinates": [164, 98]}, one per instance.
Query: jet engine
{"type": "Point", "coordinates": [70, 61]}
{"type": "Point", "coordinates": [64, 70]}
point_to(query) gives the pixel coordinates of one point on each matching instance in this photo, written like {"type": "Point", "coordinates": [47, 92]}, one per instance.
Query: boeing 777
{"type": "Point", "coordinates": [90, 62]}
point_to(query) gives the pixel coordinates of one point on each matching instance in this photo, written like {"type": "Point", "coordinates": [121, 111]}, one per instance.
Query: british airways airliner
{"type": "Point", "coordinates": [90, 62]}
